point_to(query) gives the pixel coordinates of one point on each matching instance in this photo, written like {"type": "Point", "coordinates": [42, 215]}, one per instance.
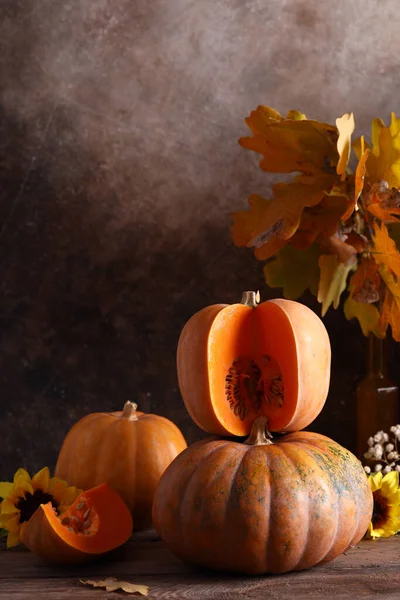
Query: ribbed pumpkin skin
{"type": "Point", "coordinates": [130, 454]}
{"type": "Point", "coordinates": [286, 506]}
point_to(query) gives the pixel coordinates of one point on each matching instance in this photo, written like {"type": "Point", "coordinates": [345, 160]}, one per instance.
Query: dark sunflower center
{"type": "Point", "coordinates": [31, 503]}
{"type": "Point", "coordinates": [380, 511]}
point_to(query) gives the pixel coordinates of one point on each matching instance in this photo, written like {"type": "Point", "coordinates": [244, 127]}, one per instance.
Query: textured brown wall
{"type": "Point", "coordinates": [120, 168]}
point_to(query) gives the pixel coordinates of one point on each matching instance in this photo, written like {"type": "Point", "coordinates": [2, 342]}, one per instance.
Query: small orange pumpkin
{"type": "Point", "coordinates": [236, 362]}
{"type": "Point", "coordinates": [128, 449]}
{"type": "Point", "coordinates": [261, 506]}
{"type": "Point", "coordinates": [97, 522]}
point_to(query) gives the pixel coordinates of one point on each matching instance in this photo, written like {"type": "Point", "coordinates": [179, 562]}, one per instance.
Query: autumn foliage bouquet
{"type": "Point", "coordinates": [328, 229]}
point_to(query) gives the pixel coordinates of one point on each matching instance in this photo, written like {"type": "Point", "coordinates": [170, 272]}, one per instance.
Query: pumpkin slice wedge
{"type": "Point", "coordinates": [237, 362]}
{"type": "Point", "coordinates": [97, 522]}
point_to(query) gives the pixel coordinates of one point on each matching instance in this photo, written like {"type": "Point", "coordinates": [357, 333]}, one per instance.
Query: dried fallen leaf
{"type": "Point", "coordinates": [111, 584]}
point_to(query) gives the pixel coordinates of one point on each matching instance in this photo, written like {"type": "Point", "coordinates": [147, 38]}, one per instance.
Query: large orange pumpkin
{"type": "Point", "coordinates": [97, 522]}
{"type": "Point", "coordinates": [128, 449]}
{"type": "Point", "coordinates": [236, 362]}
{"type": "Point", "coordinates": [261, 506]}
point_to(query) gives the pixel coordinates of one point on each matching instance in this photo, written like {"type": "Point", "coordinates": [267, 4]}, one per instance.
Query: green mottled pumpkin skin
{"type": "Point", "coordinates": [254, 509]}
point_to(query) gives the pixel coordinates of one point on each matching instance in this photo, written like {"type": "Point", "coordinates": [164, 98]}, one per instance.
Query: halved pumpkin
{"type": "Point", "coordinates": [237, 362]}
{"type": "Point", "coordinates": [97, 522]}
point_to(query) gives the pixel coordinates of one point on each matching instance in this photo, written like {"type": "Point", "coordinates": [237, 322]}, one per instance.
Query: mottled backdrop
{"type": "Point", "coordinates": [119, 170]}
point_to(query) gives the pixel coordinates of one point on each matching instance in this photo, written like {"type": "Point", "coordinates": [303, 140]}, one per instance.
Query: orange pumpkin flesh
{"type": "Point", "coordinates": [97, 522]}
{"type": "Point", "coordinates": [128, 449]}
{"type": "Point", "coordinates": [237, 362]}
{"type": "Point", "coordinates": [263, 507]}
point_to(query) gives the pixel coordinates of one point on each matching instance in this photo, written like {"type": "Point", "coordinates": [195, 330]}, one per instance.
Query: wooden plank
{"type": "Point", "coordinates": [371, 569]}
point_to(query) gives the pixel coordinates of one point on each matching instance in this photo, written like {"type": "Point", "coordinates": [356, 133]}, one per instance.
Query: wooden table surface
{"type": "Point", "coordinates": [370, 570]}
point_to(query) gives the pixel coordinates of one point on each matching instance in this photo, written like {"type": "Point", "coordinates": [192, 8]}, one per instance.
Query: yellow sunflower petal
{"type": "Point", "coordinates": [375, 481]}
{"type": "Point", "coordinates": [8, 507]}
{"type": "Point", "coordinates": [63, 494]}
{"type": "Point", "coordinates": [5, 489]}
{"type": "Point", "coordinates": [22, 474]}
{"type": "Point", "coordinates": [12, 539]}
{"type": "Point", "coordinates": [12, 524]}
{"type": "Point", "coordinates": [41, 480]}
{"type": "Point", "coordinates": [390, 484]}
{"type": "Point", "coordinates": [3, 520]}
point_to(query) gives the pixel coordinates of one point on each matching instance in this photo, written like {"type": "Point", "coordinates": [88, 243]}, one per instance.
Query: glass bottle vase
{"type": "Point", "coordinates": [377, 397]}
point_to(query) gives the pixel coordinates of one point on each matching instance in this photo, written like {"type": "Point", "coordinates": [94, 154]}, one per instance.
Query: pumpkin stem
{"type": "Point", "coordinates": [129, 411]}
{"type": "Point", "coordinates": [250, 299]}
{"type": "Point", "coordinates": [259, 434]}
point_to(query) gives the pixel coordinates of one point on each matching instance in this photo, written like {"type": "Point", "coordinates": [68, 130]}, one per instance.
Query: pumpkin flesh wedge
{"type": "Point", "coordinates": [238, 362]}
{"type": "Point", "coordinates": [97, 522]}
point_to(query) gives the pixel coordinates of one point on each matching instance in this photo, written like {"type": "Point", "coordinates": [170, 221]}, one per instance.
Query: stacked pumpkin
{"type": "Point", "coordinates": [242, 500]}
{"type": "Point", "coordinates": [259, 504]}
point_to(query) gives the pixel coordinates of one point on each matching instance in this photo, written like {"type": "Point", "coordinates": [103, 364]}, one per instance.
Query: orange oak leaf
{"type": "Point", "coordinates": [246, 229]}
{"type": "Point", "coordinates": [365, 282]}
{"type": "Point", "coordinates": [390, 313]}
{"type": "Point", "coordinates": [345, 126]}
{"type": "Point", "coordinates": [384, 250]}
{"type": "Point", "coordinates": [358, 179]}
{"type": "Point", "coordinates": [322, 219]}
{"type": "Point", "coordinates": [289, 145]}
{"type": "Point", "coordinates": [270, 248]}
{"type": "Point", "coordinates": [279, 216]}
{"type": "Point", "coordinates": [383, 202]}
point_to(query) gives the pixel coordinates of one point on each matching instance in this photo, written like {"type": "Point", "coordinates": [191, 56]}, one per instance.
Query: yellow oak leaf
{"type": "Point", "coordinates": [394, 124]}
{"type": "Point", "coordinates": [333, 279]}
{"type": "Point", "coordinates": [384, 251]}
{"type": "Point", "coordinates": [289, 145]}
{"type": "Point", "coordinates": [345, 126]}
{"type": "Point", "coordinates": [111, 584]}
{"type": "Point", "coordinates": [383, 162]}
{"type": "Point", "coordinates": [367, 314]}
{"type": "Point", "coordinates": [296, 115]}
{"type": "Point", "coordinates": [294, 271]}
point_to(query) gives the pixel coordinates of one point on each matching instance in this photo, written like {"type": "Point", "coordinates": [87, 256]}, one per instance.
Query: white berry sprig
{"type": "Point", "coordinates": [384, 450]}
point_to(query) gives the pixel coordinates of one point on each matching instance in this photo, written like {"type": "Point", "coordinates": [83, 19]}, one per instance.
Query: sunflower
{"type": "Point", "coordinates": [386, 513]}
{"type": "Point", "coordinates": [24, 495]}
